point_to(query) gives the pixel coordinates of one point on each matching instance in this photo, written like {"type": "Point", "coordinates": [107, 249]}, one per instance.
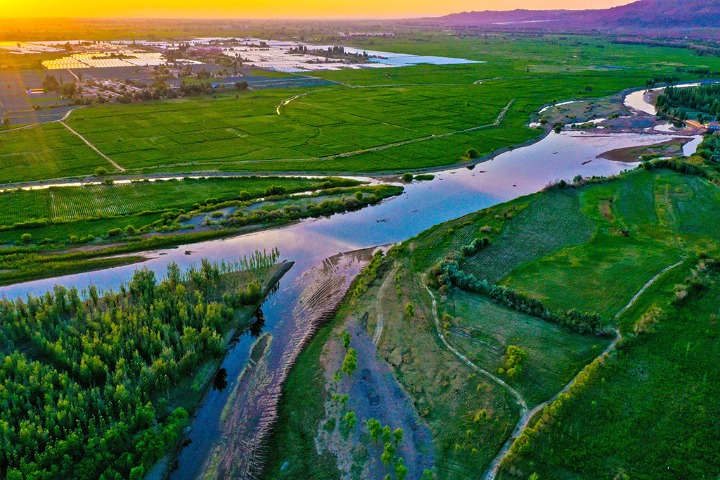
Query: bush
{"type": "Point", "coordinates": [26, 238]}
{"type": "Point", "coordinates": [407, 178]}
{"type": "Point", "coordinates": [101, 172]}
{"type": "Point", "coordinates": [472, 154]}
{"type": "Point", "coordinates": [275, 190]}
{"type": "Point", "coordinates": [115, 232]}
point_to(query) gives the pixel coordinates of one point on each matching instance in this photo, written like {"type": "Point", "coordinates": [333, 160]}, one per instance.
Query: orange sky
{"type": "Point", "coordinates": [274, 8]}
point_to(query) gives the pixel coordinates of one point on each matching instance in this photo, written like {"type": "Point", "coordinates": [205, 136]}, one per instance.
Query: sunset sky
{"type": "Point", "coordinates": [276, 8]}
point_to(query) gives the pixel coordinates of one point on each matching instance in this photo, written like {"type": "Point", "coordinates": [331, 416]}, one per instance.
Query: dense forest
{"type": "Point", "coordinates": [85, 378]}
{"type": "Point", "coordinates": [681, 103]}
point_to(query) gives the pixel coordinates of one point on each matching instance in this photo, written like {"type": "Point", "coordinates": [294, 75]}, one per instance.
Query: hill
{"type": "Point", "coordinates": [642, 15]}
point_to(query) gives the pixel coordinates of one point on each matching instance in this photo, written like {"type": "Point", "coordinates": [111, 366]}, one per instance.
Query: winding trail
{"type": "Point", "coordinates": [87, 142]}
{"type": "Point", "coordinates": [525, 419]}
{"type": "Point", "coordinates": [520, 401]}
{"type": "Point", "coordinates": [380, 317]}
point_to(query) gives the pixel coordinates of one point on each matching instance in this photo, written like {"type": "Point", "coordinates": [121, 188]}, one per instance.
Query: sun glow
{"type": "Point", "coordinates": [274, 9]}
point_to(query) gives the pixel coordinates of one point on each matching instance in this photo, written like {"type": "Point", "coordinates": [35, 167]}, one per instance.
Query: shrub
{"type": "Point", "coordinates": [101, 172]}
{"type": "Point", "coordinates": [115, 232]}
{"type": "Point", "coordinates": [26, 238]}
{"type": "Point", "coordinates": [275, 190]}
{"type": "Point", "coordinates": [407, 178]}
{"type": "Point", "coordinates": [472, 154]}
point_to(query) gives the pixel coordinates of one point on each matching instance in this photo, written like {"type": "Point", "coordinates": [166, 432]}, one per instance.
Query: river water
{"type": "Point", "coordinates": [451, 194]}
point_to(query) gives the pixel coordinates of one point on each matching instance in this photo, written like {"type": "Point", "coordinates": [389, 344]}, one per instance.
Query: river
{"type": "Point", "coordinates": [451, 194]}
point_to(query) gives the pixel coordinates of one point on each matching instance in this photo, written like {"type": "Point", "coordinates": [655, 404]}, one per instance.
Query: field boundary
{"type": "Point", "coordinates": [525, 420]}
{"type": "Point", "coordinates": [87, 142]}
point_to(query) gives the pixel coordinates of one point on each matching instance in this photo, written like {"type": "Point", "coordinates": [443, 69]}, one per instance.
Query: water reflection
{"type": "Point", "coordinates": [220, 380]}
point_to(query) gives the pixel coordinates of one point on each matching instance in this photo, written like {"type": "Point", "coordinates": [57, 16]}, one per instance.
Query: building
{"type": "Point", "coordinates": [714, 127]}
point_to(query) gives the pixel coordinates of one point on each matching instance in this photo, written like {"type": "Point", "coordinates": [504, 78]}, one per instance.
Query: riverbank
{"type": "Point", "coordinates": [208, 222]}
{"type": "Point", "coordinates": [196, 390]}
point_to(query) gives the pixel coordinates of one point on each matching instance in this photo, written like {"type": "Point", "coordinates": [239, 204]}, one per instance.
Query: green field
{"type": "Point", "coordinates": [60, 230]}
{"type": "Point", "coordinates": [46, 151]}
{"type": "Point", "coordinates": [73, 203]}
{"type": "Point", "coordinates": [652, 410]}
{"type": "Point", "coordinates": [411, 118]}
{"type": "Point", "coordinates": [483, 330]}
{"type": "Point", "coordinates": [589, 248]}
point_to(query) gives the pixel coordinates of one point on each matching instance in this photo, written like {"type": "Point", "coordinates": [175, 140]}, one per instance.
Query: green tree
{"type": "Point", "coordinates": [350, 362]}
{"type": "Point", "coordinates": [374, 429]}
{"type": "Point", "coordinates": [401, 470]}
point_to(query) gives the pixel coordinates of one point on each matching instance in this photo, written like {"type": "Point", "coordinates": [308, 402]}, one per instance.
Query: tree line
{"type": "Point", "coordinates": [704, 99]}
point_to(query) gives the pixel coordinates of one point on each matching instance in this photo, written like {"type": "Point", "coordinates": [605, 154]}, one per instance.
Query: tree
{"type": "Point", "coordinates": [26, 238]}
{"type": "Point", "coordinates": [345, 335]}
{"type": "Point", "coordinates": [472, 154]}
{"type": "Point", "coordinates": [407, 178]}
{"type": "Point", "coordinates": [409, 310]}
{"type": "Point", "coordinates": [398, 435]}
{"type": "Point", "coordinates": [350, 419]}
{"type": "Point", "coordinates": [350, 362]}
{"type": "Point", "coordinates": [388, 453]}
{"type": "Point", "coordinates": [401, 470]}
{"type": "Point", "coordinates": [374, 429]}
{"type": "Point", "coordinates": [101, 172]}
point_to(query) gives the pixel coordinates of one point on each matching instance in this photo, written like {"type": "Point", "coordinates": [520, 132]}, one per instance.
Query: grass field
{"type": "Point", "coordinates": [552, 221]}
{"type": "Point", "coordinates": [590, 248]}
{"type": "Point", "coordinates": [375, 122]}
{"type": "Point", "coordinates": [483, 330]}
{"type": "Point", "coordinates": [73, 203]}
{"type": "Point", "coordinates": [643, 224]}
{"type": "Point", "coordinates": [652, 412]}
{"type": "Point", "coordinates": [45, 151]}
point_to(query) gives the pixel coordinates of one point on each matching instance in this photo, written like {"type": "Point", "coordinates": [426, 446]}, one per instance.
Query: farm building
{"type": "Point", "coordinates": [714, 127]}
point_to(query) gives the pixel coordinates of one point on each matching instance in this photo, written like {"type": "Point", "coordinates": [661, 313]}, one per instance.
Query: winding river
{"type": "Point", "coordinates": [451, 194]}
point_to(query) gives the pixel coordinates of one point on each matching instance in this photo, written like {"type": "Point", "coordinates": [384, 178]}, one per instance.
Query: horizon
{"type": "Point", "coordinates": [280, 10]}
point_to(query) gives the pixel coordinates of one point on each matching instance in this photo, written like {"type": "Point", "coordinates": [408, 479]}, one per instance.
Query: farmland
{"type": "Point", "coordinates": [458, 360]}
{"type": "Point", "coordinates": [372, 120]}
{"type": "Point", "coordinates": [66, 229]}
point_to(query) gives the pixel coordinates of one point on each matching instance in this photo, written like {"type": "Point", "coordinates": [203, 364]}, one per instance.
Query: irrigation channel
{"type": "Point", "coordinates": [324, 269]}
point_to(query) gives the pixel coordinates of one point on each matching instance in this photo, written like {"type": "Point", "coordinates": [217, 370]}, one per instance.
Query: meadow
{"type": "Point", "coordinates": [373, 120]}
{"type": "Point", "coordinates": [61, 230]}
{"type": "Point", "coordinates": [617, 235]}
{"type": "Point", "coordinates": [97, 201]}
{"type": "Point", "coordinates": [650, 412]}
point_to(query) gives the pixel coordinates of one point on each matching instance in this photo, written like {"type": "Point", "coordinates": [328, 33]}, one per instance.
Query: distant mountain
{"type": "Point", "coordinates": [644, 14]}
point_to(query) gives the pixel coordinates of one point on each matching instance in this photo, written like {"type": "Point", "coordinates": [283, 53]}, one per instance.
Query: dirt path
{"type": "Point", "coordinates": [525, 420]}
{"type": "Point", "coordinates": [112, 162]}
{"type": "Point", "coordinates": [520, 401]}
{"type": "Point", "coordinates": [380, 316]}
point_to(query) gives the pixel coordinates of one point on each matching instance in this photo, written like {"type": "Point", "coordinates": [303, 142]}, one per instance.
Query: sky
{"type": "Point", "coordinates": [275, 8]}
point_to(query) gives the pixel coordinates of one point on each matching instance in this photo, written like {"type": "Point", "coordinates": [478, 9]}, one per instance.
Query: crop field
{"type": "Point", "coordinates": [651, 412]}
{"type": "Point", "coordinates": [551, 222]}
{"type": "Point", "coordinates": [248, 133]}
{"type": "Point", "coordinates": [45, 151]}
{"type": "Point", "coordinates": [72, 203]}
{"type": "Point", "coordinates": [483, 330]}
{"type": "Point", "coordinates": [662, 227]}
{"type": "Point", "coordinates": [411, 118]}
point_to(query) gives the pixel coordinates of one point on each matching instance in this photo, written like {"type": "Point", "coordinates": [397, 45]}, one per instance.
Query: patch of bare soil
{"type": "Point", "coordinates": [241, 452]}
{"type": "Point", "coordinates": [373, 393]}
{"type": "Point", "coordinates": [669, 148]}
